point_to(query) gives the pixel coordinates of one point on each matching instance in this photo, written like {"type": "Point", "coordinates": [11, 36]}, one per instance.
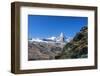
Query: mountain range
{"type": "Point", "coordinates": [59, 39]}
{"type": "Point", "coordinates": [47, 48]}
{"type": "Point", "coordinates": [60, 47]}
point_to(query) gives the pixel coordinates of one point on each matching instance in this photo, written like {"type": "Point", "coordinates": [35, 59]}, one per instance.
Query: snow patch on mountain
{"type": "Point", "coordinates": [52, 38]}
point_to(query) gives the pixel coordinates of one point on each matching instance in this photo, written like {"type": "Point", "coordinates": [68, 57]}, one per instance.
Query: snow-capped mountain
{"type": "Point", "coordinates": [59, 39]}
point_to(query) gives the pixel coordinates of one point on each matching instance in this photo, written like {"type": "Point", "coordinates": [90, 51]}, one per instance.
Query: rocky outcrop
{"type": "Point", "coordinates": [77, 47]}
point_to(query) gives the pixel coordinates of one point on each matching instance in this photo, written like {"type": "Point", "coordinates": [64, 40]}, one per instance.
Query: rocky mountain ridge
{"type": "Point", "coordinates": [77, 47]}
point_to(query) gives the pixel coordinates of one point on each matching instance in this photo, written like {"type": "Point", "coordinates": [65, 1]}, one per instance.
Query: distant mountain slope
{"type": "Point", "coordinates": [43, 51]}
{"type": "Point", "coordinates": [77, 47]}
{"type": "Point", "coordinates": [47, 48]}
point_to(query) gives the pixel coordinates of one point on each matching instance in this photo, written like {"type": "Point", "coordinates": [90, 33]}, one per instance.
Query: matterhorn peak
{"type": "Point", "coordinates": [61, 34]}
{"type": "Point", "coordinates": [61, 37]}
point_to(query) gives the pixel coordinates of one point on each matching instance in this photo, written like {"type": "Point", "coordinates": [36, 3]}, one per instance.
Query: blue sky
{"type": "Point", "coordinates": [44, 26]}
